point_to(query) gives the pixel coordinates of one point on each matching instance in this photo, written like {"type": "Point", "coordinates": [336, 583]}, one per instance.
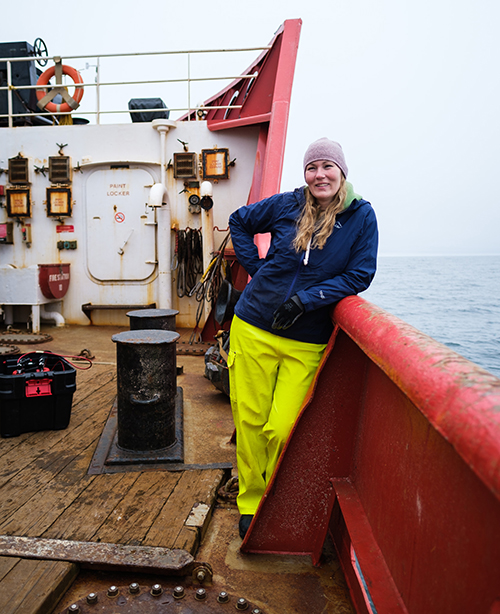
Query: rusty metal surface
{"type": "Point", "coordinates": [99, 555]}
{"type": "Point", "coordinates": [146, 382]}
{"type": "Point", "coordinates": [8, 349]}
{"type": "Point", "coordinates": [174, 453]}
{"type": "Point", "coordinates": [17, 336]}
{"type": "Point", "coordinates": [197, 348]}
{"type": "Point", "coordinates": [157, 598]}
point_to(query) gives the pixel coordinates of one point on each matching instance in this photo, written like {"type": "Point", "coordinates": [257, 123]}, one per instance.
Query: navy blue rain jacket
{"type": "Point", "coordinates": [345, 266]}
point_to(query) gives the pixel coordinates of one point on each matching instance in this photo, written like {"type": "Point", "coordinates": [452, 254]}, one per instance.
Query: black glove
{"type": "Point", "coordinates": [288, 313]}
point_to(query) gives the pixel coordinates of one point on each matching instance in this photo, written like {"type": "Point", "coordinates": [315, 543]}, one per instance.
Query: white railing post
{"type": "Point", "coordinates": [98, 91]}
{"type": "Point", "coordinates": [189, 86]}
{"type": "Point", "coordinates": [9, 93]}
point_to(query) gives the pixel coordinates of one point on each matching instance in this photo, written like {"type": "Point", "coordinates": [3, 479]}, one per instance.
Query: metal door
{"type": "Point", "coordinates": [121, 242]}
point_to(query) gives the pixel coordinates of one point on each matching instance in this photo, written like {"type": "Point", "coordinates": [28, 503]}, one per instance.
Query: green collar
{"type": "Point", "coordinates": [350, 196]}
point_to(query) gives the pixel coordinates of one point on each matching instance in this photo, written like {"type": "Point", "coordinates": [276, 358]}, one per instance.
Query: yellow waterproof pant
{"type": "Point", "coordinates": [268, 377]}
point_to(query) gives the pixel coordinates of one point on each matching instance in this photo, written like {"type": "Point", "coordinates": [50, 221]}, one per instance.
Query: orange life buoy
{"type": "Point", "coordinates": [77, 96]}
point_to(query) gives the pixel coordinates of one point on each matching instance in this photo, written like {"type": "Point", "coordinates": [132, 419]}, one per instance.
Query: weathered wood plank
{"type": "Point", "coordinates": [194, 487]}
{"type": "Point", "coordinates": [91, 381]}
{"type": "Point", "coordinates": [131, 519]}
{"type": "Point", "coordinates": [35, 587]}
{"type": "Point", "coordinates": [40, 511]}
{"type": "Point", "coordinates": [6, 564]}
{"type": "Point", "coordinates": [84, 517]}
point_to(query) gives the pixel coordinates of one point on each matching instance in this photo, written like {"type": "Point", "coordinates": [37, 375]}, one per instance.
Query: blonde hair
{"type": "Point", "coordinates": [316, 225]}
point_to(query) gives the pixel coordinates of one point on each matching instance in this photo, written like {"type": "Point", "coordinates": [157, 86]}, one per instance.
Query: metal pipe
{"type": "Point", "coordinates": [163, 218]}
{"type": "Point", "coordinates": [9, 94]}
{"type": "Point", "coordinates": [207, 230]}
{"type": "Point", "coordinates": [117, 112]}
{"type": "Point", "coordinates": [52, 315]}
{"type": "Point", "coordinates": [98, 98]}
{"type": "Point", "coordinates": [154, 81]}
{"type": "Point", "coordinates": [125, 55]}
{"type": "Point", "coordinates": [189, 85]}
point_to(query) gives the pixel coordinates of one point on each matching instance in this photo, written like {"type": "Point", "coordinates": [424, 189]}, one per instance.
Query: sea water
{"type": "Point", "coordinates": [454, 299]}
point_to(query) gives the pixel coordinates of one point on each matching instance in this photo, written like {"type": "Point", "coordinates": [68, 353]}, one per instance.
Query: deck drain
{"type": "Point", "coordinates": [141, 599]}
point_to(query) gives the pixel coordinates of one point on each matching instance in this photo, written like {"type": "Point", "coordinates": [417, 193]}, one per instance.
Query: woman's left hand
{"type": "Point", "coordinates": [288, 313]}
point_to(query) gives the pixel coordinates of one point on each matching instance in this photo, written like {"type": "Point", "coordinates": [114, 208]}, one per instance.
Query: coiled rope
{"type": "Point", "coordinates": [189, 260]}
{"type": "Point", "coordinates": [207, 288]}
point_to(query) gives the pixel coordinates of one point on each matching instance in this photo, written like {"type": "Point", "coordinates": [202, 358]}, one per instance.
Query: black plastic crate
{"type": "Point", "coordinates": [36, 393]}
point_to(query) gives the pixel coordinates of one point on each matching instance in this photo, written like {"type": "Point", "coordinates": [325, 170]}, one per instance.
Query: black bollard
{"type": "Point", "coordinates": [149, 319]}
{"type": "Point", "coordinates": [146, 379]}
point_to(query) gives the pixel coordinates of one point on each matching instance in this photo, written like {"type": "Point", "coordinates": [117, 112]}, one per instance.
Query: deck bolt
{"type": "Point", "coordinates": [156, 590]}
{"type": "Point", "coordinates": [112, 591]}
{"type": "Point", "coordinates": [256, 611]}
{"type": "Point", "coordinates": [134, 588]}
{"type": "Point", "coordinates": [73, 609]}
{"type": "Point", "coordinates": [223, 597]}
{"type": "Point", "coordinates": [201, 575]}
{"type": "Point", "coordinates": [179, 592]}
{"type": "Point", "coordinates": [92, 598]}
{"type": "Point", "coordinates": [241, 604]}
{"type": "Point", "coordinates": [200, 594]}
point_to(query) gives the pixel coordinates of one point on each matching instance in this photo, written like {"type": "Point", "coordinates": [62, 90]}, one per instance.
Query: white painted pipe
{"type": "Point", "coordinates": [51, 315]}
{"type": "Point", "coordinates": [8, 315]}
{"type": "Point", "coordinates": [163, 218]}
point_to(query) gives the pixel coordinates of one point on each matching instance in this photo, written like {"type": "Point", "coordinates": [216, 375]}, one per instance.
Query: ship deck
{"type": "Point", "coordinates": [47, 492]}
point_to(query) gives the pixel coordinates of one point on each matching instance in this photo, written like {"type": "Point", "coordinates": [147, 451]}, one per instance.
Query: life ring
{"type": "Point", "coordinates": [74, 101]}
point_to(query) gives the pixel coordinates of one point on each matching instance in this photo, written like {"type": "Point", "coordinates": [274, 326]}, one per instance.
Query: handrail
{"type": "Point", "coordinates": [135, 54]}
{"type": "Point", "coordinates": [10, 87]}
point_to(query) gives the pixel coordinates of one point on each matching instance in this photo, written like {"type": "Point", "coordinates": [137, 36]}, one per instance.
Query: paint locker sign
{"type": "Point", "coordinates": [121, 232]}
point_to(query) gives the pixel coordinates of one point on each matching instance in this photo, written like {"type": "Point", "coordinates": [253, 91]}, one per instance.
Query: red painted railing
{"type": "Point", "coordinates": [397, 454]}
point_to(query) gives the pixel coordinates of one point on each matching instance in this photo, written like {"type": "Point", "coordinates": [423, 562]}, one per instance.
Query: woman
{"type": "Point", "coordinates": [323, 248]}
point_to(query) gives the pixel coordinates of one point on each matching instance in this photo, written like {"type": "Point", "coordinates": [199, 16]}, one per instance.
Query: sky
{"type": "Point", "coordinates": [410, 89]}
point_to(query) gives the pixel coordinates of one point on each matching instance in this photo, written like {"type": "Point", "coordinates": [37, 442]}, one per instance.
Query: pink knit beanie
{"type": "Point", "coordinates": [324, 149]}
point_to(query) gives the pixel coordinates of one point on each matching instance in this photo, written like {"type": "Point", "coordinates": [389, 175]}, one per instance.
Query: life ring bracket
{"type": "Point", "coordinates": [45, 96]}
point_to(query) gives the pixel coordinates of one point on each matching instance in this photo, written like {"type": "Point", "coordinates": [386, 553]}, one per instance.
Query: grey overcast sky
{"type": "Point", "coordinates": [409, 88]}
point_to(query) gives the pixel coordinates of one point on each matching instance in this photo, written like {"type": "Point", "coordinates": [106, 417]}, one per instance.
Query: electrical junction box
{"type": "Point", "coordinates": [18, 170]}
{"type": "Point", "coordinates": [60, 169]}
{"type": "Point", "coordinates": [6, 233]}
{"type": "Point", "coordinates": [26, 233]}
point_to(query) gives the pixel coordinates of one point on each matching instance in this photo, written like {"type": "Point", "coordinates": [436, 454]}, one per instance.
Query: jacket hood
{"type": "Point", "coordinates": [351, 195]}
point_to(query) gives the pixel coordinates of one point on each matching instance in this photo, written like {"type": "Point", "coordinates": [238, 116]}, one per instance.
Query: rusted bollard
{"type": "Point", "coordinates": [149, 319]}
{"type": "Point", "coordinates": [147, 385]}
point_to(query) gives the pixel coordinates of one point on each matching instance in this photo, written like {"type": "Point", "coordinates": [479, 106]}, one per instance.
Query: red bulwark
{"type": "Point", "coordinates": [397, 454]}
{"type": "Point", "coordinates": [265, 101]}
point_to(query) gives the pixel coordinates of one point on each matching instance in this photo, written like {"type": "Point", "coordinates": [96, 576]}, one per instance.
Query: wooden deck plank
{"type": "Point", "coordinates": [198, 486]}
{"type": "Point", "coordinates": [45, 491]}
{"type": "Point", "coordinates": [84, 517]}
{"type": "Point", "coordinates": [39, 512]}
{"type": "Point", "coordinates": [131, 519]}
{"type": "Point", "coordinates": [35, 587]}
{"type": "Point", "coordinates": [6, 564]}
